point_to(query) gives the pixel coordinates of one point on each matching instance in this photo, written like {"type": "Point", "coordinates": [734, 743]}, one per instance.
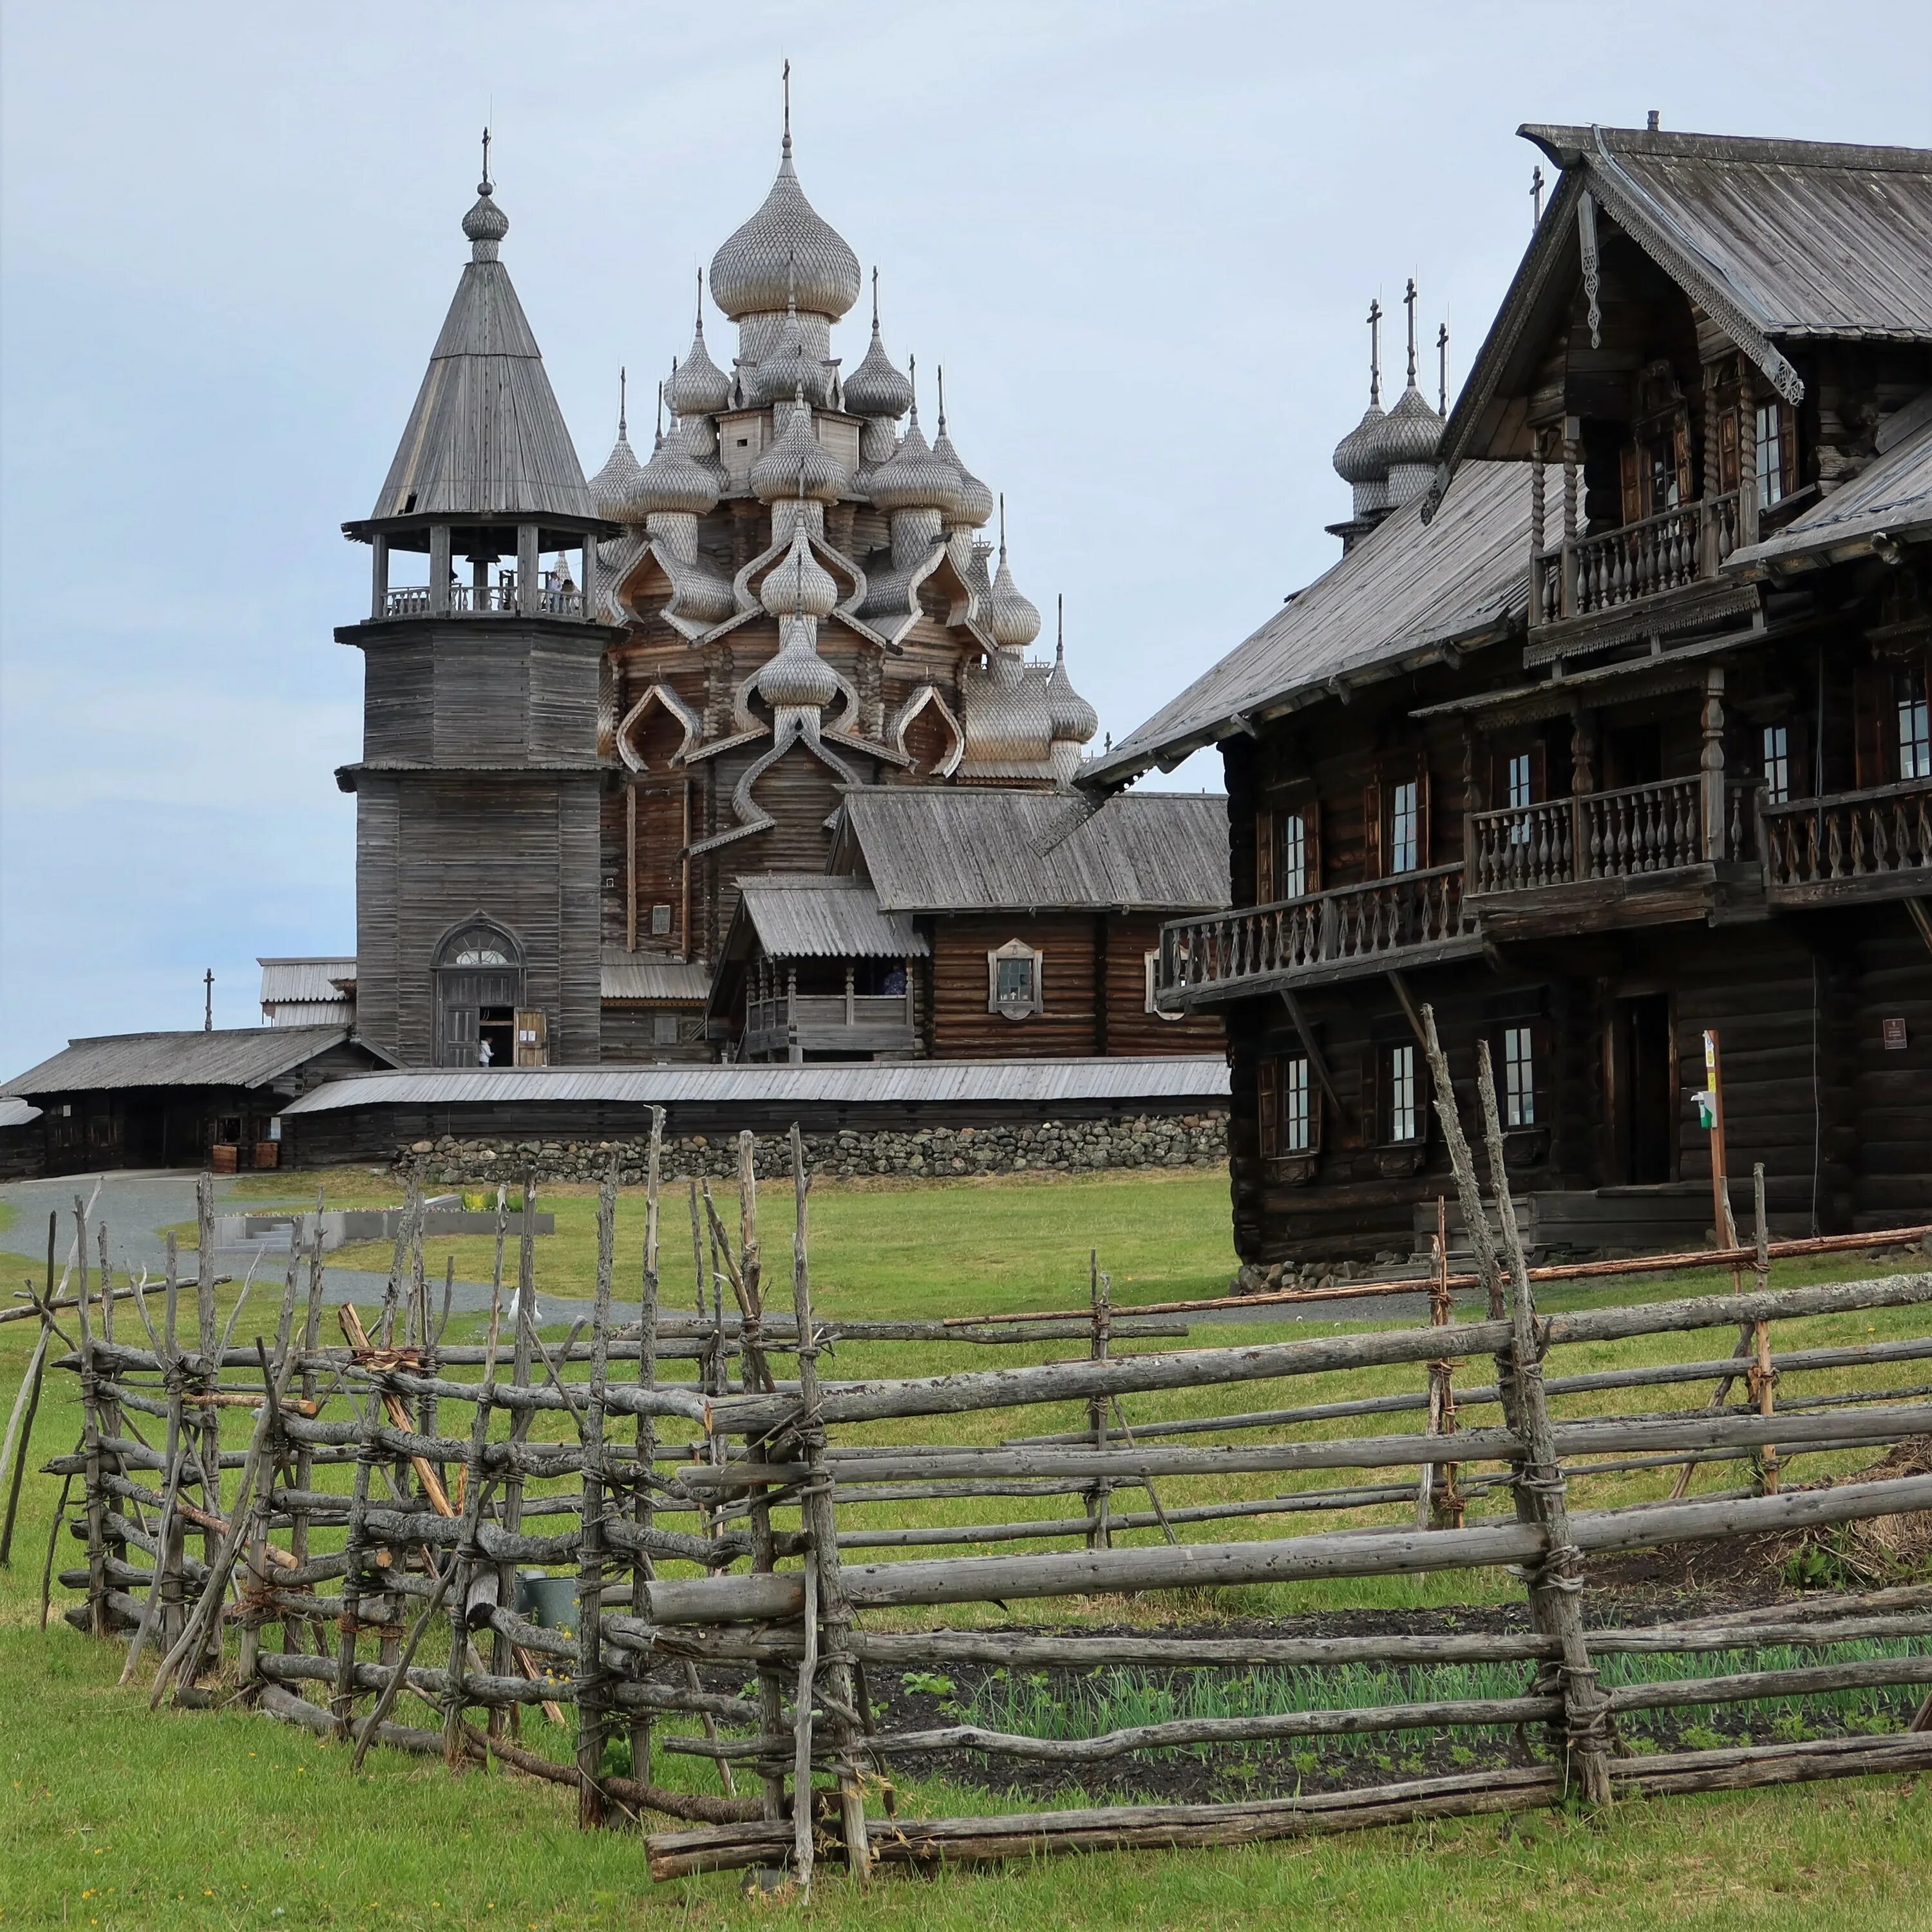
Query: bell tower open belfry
{"type": "Point", "coordinates": [477, 793]}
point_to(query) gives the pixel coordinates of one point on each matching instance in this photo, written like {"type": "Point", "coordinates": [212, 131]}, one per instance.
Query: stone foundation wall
{"type": "Point", "coordinates": [928, 1153]}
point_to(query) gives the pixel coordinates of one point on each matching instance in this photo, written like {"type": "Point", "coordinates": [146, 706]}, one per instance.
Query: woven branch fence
{"type": "Point", "coordinates": [393, 1487]}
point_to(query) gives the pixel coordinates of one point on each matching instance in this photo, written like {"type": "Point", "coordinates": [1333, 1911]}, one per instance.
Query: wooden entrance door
{"type": "Point", "coordinates": [1643, 1090]}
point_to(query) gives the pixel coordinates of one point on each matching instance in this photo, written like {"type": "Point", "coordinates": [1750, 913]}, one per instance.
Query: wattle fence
{"type": "Point", "coordinates": [364, 1548]}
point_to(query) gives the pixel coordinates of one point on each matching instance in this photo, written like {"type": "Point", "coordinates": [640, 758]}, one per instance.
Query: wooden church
{"type": "Point", "coordinates": [591, 707]}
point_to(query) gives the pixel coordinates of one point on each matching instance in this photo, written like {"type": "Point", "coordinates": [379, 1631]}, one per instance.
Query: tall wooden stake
{"type": "Point", "coordinates": [822, 1526]}
{"type": "Point", "coordinates": [1555, 1585]}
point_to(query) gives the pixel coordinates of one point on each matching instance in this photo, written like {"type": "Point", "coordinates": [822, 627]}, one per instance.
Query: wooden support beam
{"type": "Point", "coordinates": [1314, 1053]}
{"type": "Point", "coordinates": [1920, 911]}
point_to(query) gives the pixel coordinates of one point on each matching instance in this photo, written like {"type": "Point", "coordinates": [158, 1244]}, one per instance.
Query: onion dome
{"type": "Point", "coordinates": [913, 477]}
{"type": "Point", "coordinates": [790, 369]}
{"type": "Point", "coordinates": [1074, 721]}
{"type": "Point", "coordinates": [1410, 431]}
{"type": "Point", "coordinates": [673, 479]}
{"type": "Point", "coordinates": [751, 274]}
{"type": "Point", "coordinates": [698, 387]}
{"type": "Point", "coordinates": [486, 224]}
{"type": "Point", "coordinates": [1357, 459]}
{"type": "Point", "coordinates": [1012, 620]}
{"type": "Point", "coordinates": [797, 464]}
{"type": "Point", "coordinates": [800, 585]}
{"type": "Point", "coordinates": [973, 504]}
{"type": "Point", "coordinates": [798, 677]}
{"type": "Point", "coordinates": [1408, 435]}
{"type": "Point", "coordinates": [875, 387]}
{"type": "Point", "coordinates": [1008, 732]}
{"type": "Point", "coordinates": [613, 486]}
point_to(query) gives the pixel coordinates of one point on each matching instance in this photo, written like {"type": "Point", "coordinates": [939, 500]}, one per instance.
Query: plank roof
{"type": "Point", "coordinates": [1392, 602]}
{"type": "Point", "coordinates": [637, 976]}
{"type": "Point", "coordinates": [229, 1057]}
{"type": "Point", "coordinates": [813, 916]}
{"type": "Point", "coordinates": [1810, 238]}
{"type": "Point", "coordinates": [485, 438]}
{"type": "Point", "coordinates": [929, 849]}
{"type": "Point", "coordinates": [1889, 499]}
{"type": "Point", "coordinates": [1034, 1083]}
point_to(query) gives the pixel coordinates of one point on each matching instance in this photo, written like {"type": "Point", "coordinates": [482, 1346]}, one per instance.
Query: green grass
{"type": "Point", "coordinates": [111, 1817]}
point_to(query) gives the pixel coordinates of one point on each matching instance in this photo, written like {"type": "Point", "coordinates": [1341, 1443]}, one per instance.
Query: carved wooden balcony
{"type": "Point", "coordinates": [828, 1023]}
{"type": "Point", "coordinates": [1872, 844]}
{"type": "Point", "coordinates": [1412, 918]}
{"type": "Point", "coordinates": [1590, 583]}
{"type": "Point", "coordinates": [470, 600]}
{"type": "Point", "coordinates": [1642, 854]}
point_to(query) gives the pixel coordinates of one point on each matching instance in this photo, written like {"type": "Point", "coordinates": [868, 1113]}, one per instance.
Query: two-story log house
{"type": "Point", "coordinates": [1609, 729]}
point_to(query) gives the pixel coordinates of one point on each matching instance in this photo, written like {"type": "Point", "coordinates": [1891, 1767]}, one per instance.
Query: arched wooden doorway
{"type": "Point", "coordinates": [479, 987]}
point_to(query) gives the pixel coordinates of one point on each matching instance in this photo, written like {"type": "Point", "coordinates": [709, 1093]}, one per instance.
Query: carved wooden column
{"type": "Point", "coordinates": [1711, 763]}
{"type": "Point", "coordinates": [379, 576]}
{"type": "Point", "coordinates": [1747, 455]}
{"type": "Point", "coordinates": [1568, 605]}
{"type": "Point", "coordinates": [1538, 571]}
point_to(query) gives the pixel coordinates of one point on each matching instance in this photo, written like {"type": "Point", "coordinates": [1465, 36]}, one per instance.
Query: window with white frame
{"type": "Point", "coordinates": [1152, 962]}
{"type": "Point", "coordinates": [1778, 763]}
{"type": "Point", "coordinates": [1406, 827]}
{"type": "Point", "coordinates": [1291, 881]}
{"type": "Point", "coordinates": [1915, 726]}
{"type": "Point", "coordinates": [1290, 1119]}
{"type": "Point", "coordinates": [1013, 976]}
{"type": "Point", "coordinates": [1770, 454]}
{"type": "Point", "coordinates": [1298, 1116]}
{"type": "Point", "coordinates": [1404, 1113]}
{"type": "Point", "coordinates": [1518, 779]}
{"type": "Point", "coordinates": [1519, 1078]}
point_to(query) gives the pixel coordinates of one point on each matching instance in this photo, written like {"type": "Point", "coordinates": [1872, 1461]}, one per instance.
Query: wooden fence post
{"type": "Point", "coordinates": [591, 1719]}
{"type": "Point", "coordinates": [821, 1525]}
{"type": "Point", "coordinates": [1554, 1583]}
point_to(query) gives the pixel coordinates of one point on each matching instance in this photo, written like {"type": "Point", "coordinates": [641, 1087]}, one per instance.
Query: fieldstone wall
{"type": "Point", "coordinates": [930, 1153]}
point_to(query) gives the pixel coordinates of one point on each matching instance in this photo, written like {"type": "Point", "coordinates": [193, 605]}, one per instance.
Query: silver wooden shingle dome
{"type": "Point", "coordinates": [797, 464]}
{"type": "Point", "coordinates": [615, 485]}
{"type": "Point", "coordinates": [1410, 431]}
{"type": "Point", "coordinates": [1358, 458]}
{"type": "Point", "coordinates": [751, 273]}
{"type": "Point", "coordinates": [697, 386]}
{"type": "Point", "coordinates": [673, 479]}
{"type": "Point", "coordinates": [790, 369]}
{"type": "Point", "coordinates": [1012, 619]}
{"type": "Point", "coordinates": [1074, 721]}
{"type": "Point", "coordinates": [876, 389]}
{"type": "Point", "coordinates": [798, 677]}
{"type": "Point", "coordinates": [800, 585]}
{"type": "Point", "coordinates": [912, 478]}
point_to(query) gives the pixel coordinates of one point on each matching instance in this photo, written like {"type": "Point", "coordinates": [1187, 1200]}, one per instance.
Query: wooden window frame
{"type": "Point", "coordinates": [1272, 1089]}
{"type": "Point", "coordinates": [1150, 964]}
{"type": "Point", "coordinates": [1014, 1008]}
{"type": "Point", "coordinates": [1271, 868]}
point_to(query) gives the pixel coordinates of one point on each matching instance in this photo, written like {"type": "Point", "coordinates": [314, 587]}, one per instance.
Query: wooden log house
{"type": "Point", "coordinates": [975, 925]}
{"type": "Point", "coordinates": [1609, 728]}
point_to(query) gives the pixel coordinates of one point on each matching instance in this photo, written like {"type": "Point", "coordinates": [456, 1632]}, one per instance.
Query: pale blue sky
{"type": "Point", "coordinates": [1141, 237]}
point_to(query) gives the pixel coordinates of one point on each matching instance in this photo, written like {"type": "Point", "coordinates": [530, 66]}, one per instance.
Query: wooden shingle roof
{"type": "Point", "coordinates": [1405, 591]}
{"type": "Point", "coordinates": [485, 438]}
{"type": "Point", "coordinates": [231, 1056]}
{"type": "Point", "coordinates": [930, 849]}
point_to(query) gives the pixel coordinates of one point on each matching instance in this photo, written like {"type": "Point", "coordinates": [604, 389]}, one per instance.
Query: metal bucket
{"type": "Point", "coordinates": [548, 1602]}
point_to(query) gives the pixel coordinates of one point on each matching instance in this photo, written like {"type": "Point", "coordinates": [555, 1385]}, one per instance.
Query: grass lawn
{"type": "Point", "coordinates": [113, 1818]}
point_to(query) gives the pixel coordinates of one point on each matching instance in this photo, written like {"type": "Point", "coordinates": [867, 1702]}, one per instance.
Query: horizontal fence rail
{"type": "Point", "coordinates": [347, 1553]}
